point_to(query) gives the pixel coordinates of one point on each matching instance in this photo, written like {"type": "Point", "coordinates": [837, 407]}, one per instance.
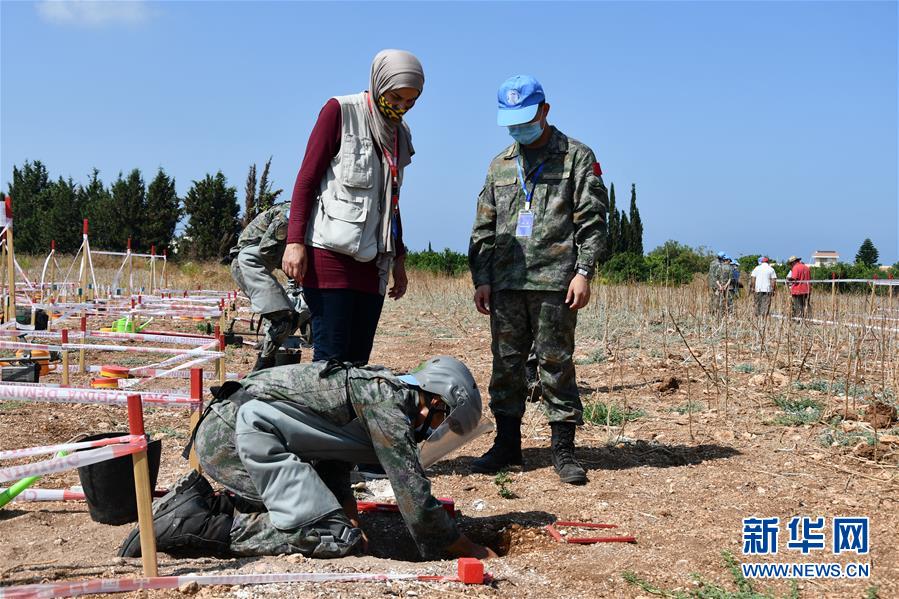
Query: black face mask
{"type": "Point", "coordinates": [424, 430]}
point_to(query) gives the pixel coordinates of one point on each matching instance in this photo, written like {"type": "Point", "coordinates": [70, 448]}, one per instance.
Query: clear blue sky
{"type": "Point", "coordinates": [749, 127]}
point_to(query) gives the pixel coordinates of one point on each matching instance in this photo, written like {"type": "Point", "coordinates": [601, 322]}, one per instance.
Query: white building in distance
{"type": "Point", "coordinates": [825, 258]}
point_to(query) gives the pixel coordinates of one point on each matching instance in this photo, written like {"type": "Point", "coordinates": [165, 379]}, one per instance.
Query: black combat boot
{"type": "Point", "coordinates": [186, 522]}
{"type": "Point", "coordinates": [263, 362]}
{"type": "Point", "coordinates": [568, 468]}
{"type": "Point", "coordinates": [506, 451]}
{"type": "Point", "coordinates": [332, 536]}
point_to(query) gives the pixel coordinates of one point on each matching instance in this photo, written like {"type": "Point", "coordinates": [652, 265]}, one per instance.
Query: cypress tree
{"type": "Point", "coordinates": [129, 196]}
{"type": "Point", "coordinates": [636, 229]}
{"type": "Point", "coordinates": [28, 199]}
{"type": "Point", "coordinates": [624, 239]}
{"type": "Point", "coordinates": [212, 225]}
{"type": "Point", "coordinates": [62, 218]}
{"type": "Point", "coordinates": [613, 233]}
{"type": "Point", "coordinates": [266, 197]}
{"type": "Point", "coordinates": [162, 211]}
{"type": "Point", "coordinates": [249, 202]}
{"type": "Point", "coordinates": [100, 210]}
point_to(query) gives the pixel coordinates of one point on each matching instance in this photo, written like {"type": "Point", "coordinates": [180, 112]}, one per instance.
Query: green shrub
{"type": "Point", "coordinates": [625, 268]}
{"type": "Point", "coordinates": [674, 263]}
{"type": "Point", "coordinates": [606, 414]}
{"type": "Point", "coordinates": [798, 411]}
{"type": "Point", "coordinates": [446, 262]}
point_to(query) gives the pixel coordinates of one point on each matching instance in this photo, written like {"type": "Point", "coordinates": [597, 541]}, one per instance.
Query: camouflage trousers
{"type": "Point", "coordinates": [721, 303]}
{"type": "Point", "coordinates": [267, 298]}
{"type": "Point", "coordinates": [253, 532]}
{"type": "Point", "coordinates": [522, 319]}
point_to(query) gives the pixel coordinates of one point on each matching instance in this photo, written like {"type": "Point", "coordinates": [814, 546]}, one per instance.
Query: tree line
{"type": "Point", "coordinates": [47, 209]}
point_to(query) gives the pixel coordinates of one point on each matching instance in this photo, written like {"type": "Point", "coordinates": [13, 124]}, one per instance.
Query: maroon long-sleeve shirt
{"type": "Point", "coordinates": [326, 269]}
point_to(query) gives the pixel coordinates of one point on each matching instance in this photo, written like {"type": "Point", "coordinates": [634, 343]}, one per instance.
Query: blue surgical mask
{"type": "Point", "coordinates": [527, 133]}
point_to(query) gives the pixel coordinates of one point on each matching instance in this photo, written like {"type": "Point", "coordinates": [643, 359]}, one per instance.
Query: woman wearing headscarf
{"type": "Point", "coordinates": [344, 236]}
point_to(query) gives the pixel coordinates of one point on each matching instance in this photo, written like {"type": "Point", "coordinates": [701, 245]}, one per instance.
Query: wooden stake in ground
{"type": "Point", "coordinates": [196, 392]}
{"type": "Point", "coordinates": [10, 263]}
{"type": "Point", "coordinates": [65, 358]}
{"type": "Point", "coordinates": [130, 261]}
{"type": "Point", "coordinates": [143, 491]}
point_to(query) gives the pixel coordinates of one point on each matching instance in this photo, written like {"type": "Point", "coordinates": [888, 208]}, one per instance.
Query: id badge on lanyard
{"type": "Point", "coordinates": [525, 225]}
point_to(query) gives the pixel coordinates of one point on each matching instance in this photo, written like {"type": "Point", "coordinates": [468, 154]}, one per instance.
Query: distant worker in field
{"type": "Point", "coordinates": [282, 442]}
{"type": "Point", "coordinates": [763, 284]}
{"type": "Point", "coordinates": [720, 283]}
{"type": "Point", "coordinates": [800, 289]}
{"type": "Point", "coordinates": [536, 236]}
{"type": "Point", "coordinates": [735, 284]}
{"type": "Point", "coordinates": [254, 260]}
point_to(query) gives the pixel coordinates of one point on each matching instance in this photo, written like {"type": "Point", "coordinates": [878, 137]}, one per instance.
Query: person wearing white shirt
{"type": "Point", "coordinates": [763, 285]}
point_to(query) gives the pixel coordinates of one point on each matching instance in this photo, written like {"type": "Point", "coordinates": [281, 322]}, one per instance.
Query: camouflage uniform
{"type": "Point", "coordinates": [529, 276]}
{"type": "Point", "coordinates": [256, 256]}
{"type": "Point", "coordinates": [290, 443]}
{"type": "Point", "coordinates": [720, 283]}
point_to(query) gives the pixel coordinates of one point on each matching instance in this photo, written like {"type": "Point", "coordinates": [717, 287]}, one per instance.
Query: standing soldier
{"type": "Point", "coordinates": [720, 281]}
{"type": "Point", "coordinates": [254, 259]}
{"type": "Point", "coordinates": [534, 244]}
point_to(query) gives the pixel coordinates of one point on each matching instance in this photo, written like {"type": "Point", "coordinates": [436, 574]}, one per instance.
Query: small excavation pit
{"type": "Point", "coordinates": [512, 534]}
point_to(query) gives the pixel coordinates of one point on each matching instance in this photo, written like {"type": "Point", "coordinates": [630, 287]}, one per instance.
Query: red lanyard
{"type": "Point", "coordinates": [394, 173]}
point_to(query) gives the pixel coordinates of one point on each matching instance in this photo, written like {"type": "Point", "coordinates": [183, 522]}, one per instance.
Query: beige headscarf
{"type": "Point", "coordinates": [393, 69]}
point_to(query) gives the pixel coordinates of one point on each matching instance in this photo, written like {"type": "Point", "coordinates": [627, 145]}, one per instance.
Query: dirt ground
{"type": "Point", "coordinates": [680, 476]}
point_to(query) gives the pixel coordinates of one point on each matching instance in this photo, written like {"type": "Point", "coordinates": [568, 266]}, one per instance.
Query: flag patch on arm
{"type": "Point", "coordinates": [597, 170]}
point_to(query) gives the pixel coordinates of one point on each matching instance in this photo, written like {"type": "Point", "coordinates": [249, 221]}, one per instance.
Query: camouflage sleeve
{"type": "Point", "coordinates": [591, 203]}
{"type": "Point", "coordinates": [274, 240]}
{"type": "Point", "coordinates": [483, 236]}
{"type": "Point", "coordinates": [431, 526]}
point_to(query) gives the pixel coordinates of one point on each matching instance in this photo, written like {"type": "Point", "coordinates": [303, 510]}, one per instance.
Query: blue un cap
{"type": "Point", "coordinates": [518, 98]}
{"type": "Point", "coordinates": [409, 380]}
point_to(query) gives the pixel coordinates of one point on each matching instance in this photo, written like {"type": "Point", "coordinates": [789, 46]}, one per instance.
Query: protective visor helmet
{"type": "Point", "coordinates": [451, 380]}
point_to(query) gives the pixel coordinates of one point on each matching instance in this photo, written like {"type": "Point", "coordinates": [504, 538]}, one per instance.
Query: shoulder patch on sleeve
{"type": "Point", "coordinates": [597, 170]}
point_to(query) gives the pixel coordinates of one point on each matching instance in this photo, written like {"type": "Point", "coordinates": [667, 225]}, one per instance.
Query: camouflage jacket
{"type": "Point", "coordinates": [569, 206]}
{"type": "Point", "coordinates": [386, 407]}
{"type": "Point", "coordinates": [268, 231]}
{"type": "Point", "coordinates": [719, 272]}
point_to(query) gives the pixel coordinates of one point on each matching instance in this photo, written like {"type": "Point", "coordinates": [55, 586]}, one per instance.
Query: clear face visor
{"type": "Point", "coordinates": [448, 437]}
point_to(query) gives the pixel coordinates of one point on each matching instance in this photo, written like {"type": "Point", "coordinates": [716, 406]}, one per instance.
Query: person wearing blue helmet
{"type": "Point", "coordinates": [720, 283]}
{"type": "Point", "coordinates": [538, 230]}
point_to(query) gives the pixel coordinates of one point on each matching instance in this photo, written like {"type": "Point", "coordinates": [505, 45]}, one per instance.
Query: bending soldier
{"type": "Point", "coordinates": [257, 254]}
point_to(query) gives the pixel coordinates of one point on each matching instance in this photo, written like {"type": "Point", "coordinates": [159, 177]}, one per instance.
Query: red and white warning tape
{"type": "Point", "coordinates": [46, 393]}
{"type": "Point", "coordinates": [72, 461]}
{"type": "Point", "coordinates": [125, 585]}
{"type": "Point", "coordinates": [68, 447]}
{"type": "Point", "coordinates": [48, 495]}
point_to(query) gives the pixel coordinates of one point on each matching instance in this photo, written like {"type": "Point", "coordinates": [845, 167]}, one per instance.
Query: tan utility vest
{"type": "Point", "coordinates": [347, 216]}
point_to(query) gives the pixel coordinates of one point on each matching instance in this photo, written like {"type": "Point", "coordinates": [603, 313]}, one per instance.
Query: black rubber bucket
{"type": "Point", "coordinates": [109, 486]}
{"type": "Point", "coordinates": [287, 358]}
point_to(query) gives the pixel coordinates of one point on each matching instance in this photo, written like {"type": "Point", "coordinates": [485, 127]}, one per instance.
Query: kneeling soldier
{"type": "Point", "coordinates": [282, 442]}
